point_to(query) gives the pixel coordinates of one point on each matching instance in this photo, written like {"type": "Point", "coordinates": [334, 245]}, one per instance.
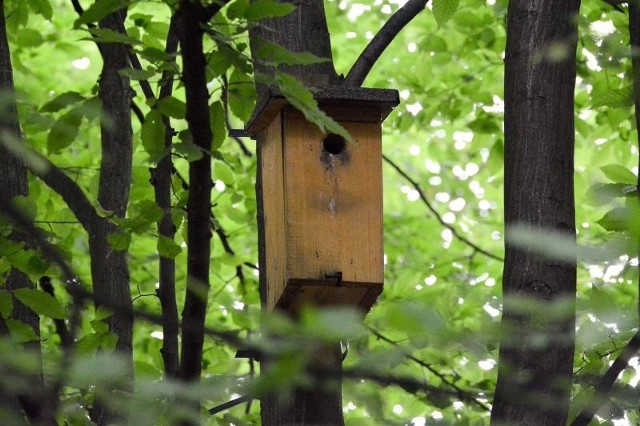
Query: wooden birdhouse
{"type": "Point", "coordinates": [320, 207]}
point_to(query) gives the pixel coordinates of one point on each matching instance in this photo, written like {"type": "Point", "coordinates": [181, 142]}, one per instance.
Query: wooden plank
{"type": "Point", "coordinates": [300, 293]}
{"type": "Point", "coordinates": [333, 203]}
{"type": "Point", "coordinates": [273, 211]}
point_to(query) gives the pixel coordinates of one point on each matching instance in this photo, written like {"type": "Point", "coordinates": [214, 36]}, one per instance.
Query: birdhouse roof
{"type": "Point", "coordinates": [272, 101]}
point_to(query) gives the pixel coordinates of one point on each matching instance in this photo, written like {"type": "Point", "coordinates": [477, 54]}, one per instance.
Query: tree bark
{"type": "Point", "coordinates": [109, 268]}
{"type": "Point", "coordinates": [14, 182]}
{"type": "Point", "coordinates": [303, 30]}
{"type": "Point", "coordinates": [161, 179]}
{"type": "Point", "coordinates": [536, 351]}
{"type": "Point", "coordinates": [199, 202]}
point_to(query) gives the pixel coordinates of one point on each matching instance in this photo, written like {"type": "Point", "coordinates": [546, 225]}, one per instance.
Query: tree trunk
{"type": "Point", "coordinates": [536, 351]}
{"type": "Point", "coordinates": [14, 182]}
{"type": "Point", "coordinates": [304, 30]}
{"type": "Point", "coordinates": [109, 268]}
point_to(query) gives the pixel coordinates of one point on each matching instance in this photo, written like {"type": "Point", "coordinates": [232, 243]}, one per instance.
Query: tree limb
{"type": "Point", "coordinates": [64, 186]}
{"type": "Point", "coordinates": [161, 181]}
{"type": "Point", "coordinates": [381, 40]}
{"type": "Point", "coordinates": [604, 386]}
{"type": "Point", "coordinates": [427, 203]}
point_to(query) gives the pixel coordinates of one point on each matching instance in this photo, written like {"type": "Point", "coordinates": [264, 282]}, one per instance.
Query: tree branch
{"type": "Point", "coordinates": [604, 386]}
{"type": "Point", "coordinates": [462, 393]}
{"type": "Point", "coordinates": [64, 186]}
{"type": "Point", "coordinates": [381, 40]}
{"type": "Point", "coordinates": [161, 181]}
{"type": "Point", "coordinates": [426, 201]}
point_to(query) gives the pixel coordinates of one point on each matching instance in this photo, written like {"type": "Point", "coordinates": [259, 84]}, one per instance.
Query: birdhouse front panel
{"type": "Point", "coordinates": [333, 204]}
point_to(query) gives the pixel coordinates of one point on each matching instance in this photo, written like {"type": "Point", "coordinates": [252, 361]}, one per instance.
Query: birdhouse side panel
{"type": "Point", "coordinates": [271, 167]}
{"type": "Point", "coordinates": [333, 202]}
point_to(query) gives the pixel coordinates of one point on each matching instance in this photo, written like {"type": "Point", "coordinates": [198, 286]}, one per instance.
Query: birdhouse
{"type": "Point", "coordinates": [320, 200]}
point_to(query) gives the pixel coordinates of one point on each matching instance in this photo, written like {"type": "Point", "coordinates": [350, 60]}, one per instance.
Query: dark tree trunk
{"type": "Point", "coordinates": [304, 30]}
{"type": "Point", "coordinates": [536, 351]}
{"type": "Point", "coordinates": [199, 202]}
{"type": "Point", "coordinates": [14, 182]}
{"type": "Point", "coordinates": [109, 268]}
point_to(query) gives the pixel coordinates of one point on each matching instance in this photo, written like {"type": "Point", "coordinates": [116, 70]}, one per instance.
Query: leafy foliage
{"type": "Point", "coordinates": [437, 320]}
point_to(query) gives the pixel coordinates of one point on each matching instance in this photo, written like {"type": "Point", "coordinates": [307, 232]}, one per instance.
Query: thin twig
{"type": "Point", "coordinates": [462, 393]}
{"type": "Point", "coordinates": [426, 201]}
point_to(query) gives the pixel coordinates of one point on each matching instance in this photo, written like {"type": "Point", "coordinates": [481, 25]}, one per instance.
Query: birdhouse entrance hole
{"type": "Point", "coordinates": [334, 144]}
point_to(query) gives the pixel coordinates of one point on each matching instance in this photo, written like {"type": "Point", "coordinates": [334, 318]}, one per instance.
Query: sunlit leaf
{"type": "Point", "coordinates": [64, 131]}
{"type": "Point", "coordinates": [262, 9]}
{"type": "Point", "coordinates": [217, 119]}
{"type": "Point", "coordinates": [172, 107]}
{"type": "Point", "coordinates": [99, 10]}
{"type": "Point", "coordinates": [152, 135]}
{"type": "Point", "coordinates": [443, 10]}
{"type": "Point", "coordinates": [20, 331]}
{"type": "Point", "coordinates": [168, 247]}
{"type": "Point", "coordinates": [62, 101]}
{"type": "Point", "coordinates": [302, 99]}
{"type": "Point", "coordinates": [41, 7]}
{"type": "Point", "coordinates": [40, 302]}
{"type": "Point", "coordinates": [6, 304]}
{"type": "Point", "coordinates": [619, 174]}
{"type": "Point", "coordinates": [119, 241]}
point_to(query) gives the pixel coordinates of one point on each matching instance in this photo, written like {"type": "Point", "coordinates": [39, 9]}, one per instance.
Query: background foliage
{"type": "Point", "coordinates": [437, 320]}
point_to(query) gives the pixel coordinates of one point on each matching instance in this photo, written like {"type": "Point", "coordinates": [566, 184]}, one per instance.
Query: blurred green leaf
{"type": "Point", "coordinates": [40, 302]}
{"type": "Point", "coordinates": [168, 247]}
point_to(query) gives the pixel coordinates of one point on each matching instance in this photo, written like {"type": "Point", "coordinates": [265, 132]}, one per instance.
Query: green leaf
{"type": "Point", "coordinates": [20, 332]}
{"type": "Point", "coordinates": [242, 95]}
{"type": "Point", "coordinates": [28, 37]}
{"type": "Point", "coordinates": [105, 35]}
{"type": "Point", "coordinates": [619, 174]}
{"type": "Point", "coordinates": [218, 125]}
{"type": "Point", "coordinates": [616, 220]}
{"type": "Point", "coordinates": [41, 7]}
{"type": "Point", "coordinates": [40, 302]}
{"type": "Point", "coordinates": [62, 101]}
{"type": "Point", "coordinates": [443, 10]}
{"type": "Point", "coordinates": [172, 107]}
{"type": "Point", "coordinates": [168, 247]}
{"type": "Point", "coordinates": [276, 54]}
{"type": "Point", "coordinates": [99, 326]}
{"type": "Point", "coordinates": [64, 131]}
{"type": "Point", "coordinates": [302, 99]}
{"type": "Point", "coordinates": [152, 135]}
{"type": "Point", "coordinates": [186, 147]}
{"type": "Point", "coordinates": [26, 206]}
{"type": "Point", "coordinates": [263, 9]}
{"type": "Point", "coordinates": [119, 241]}
{"type": "Point", "coordinates": [6, 304]}
{"type": "Point", "coordinates": [137, 75]}
{"type": "Point", "coordinates": [224, 173]}
{"type": "Point", "coordinates": [99, 10]}
{"type": "Point", "coordinates": [615, 98]}
{"type": "Point", "coordinates": [602, 193]}
{"type": "Point", "coordinates": [485, 123]}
